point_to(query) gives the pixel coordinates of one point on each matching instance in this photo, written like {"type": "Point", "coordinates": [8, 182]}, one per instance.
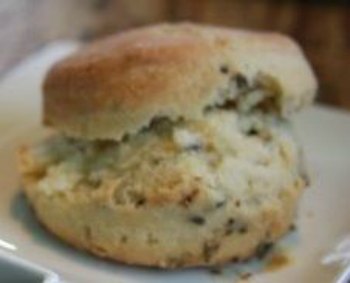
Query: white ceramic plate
{"type": "Point", "coordinates": [324, 216]}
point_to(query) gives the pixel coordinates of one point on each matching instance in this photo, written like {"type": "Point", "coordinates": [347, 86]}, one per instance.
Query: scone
{"type": "Point", "coordinates": [174, 146]}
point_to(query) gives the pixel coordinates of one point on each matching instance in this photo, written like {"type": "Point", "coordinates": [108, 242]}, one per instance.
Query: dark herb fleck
{"type": "Point", "coordinates": [235, 259]}
{"type": "Point", "coordinates": [238, 203]}
{"type": "Point", "coordinates": [220, 204]}
{"type": "Point", "coordinates": [95, 183]}
{"type": "Point", "coordinates": [124, 239]}
{"type": "Point", "coordinates": [230, 226]}
{"type": "Point", "coordinates": [209, 249]}
{"type": "Point", "coordinates": [306, 179]}
{"type": "Point", "coordinates": [194, 147]}
{"type": "Point", "coordinates": [241, 81]}
{"type": "Point", "coordinates": [229, 105]}
{"type": "Point", "coordinates": [292, 227]}
{"type": "Point", "coordinates": [252, 132]}
{"type": "Point", "coordinates": [125, 138]}
{"type": "Point", "coordinates": [263, 249]}
{"type": "Point", "coordinates": [100, 4]}
{"type": "Point", "coordinates": [189, 198]}
{"type": "Point", "coordinates": [196, 219]}
{"type": "Point", "coordinates": [155, 161]}
{"type": "Point", "coordinates": [243, 230]}
{"type": "Point", "coordinates": [140, 202]}
{"type": "Point", "coordinates": [224, 69]}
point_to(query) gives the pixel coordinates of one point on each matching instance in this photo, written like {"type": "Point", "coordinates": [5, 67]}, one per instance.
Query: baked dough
{"type": "Point", "coordinates": [191, 193]}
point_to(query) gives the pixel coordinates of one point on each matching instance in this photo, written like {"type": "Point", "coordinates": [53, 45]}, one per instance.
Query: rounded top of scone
{"type": "Point", "coordinates": [117, 86]}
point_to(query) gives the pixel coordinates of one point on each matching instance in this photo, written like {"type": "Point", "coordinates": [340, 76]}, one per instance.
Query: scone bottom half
{"type": "Point", "coordinates": [199, 190]}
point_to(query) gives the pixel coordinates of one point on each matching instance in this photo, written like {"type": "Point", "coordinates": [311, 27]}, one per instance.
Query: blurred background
{"type": "Point", "coordinates": [321, 27]}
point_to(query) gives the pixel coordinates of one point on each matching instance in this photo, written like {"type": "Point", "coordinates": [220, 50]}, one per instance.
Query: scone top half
{"type": "Point", "coordinates": [118, 86]}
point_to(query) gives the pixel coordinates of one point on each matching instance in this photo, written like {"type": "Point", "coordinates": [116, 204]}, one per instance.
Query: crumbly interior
{"type": "Point", "coordinates": [246, 156]}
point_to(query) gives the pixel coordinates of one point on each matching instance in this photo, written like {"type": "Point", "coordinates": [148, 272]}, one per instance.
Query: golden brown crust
{"type": "Point", "coordinates": [118, 85]}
